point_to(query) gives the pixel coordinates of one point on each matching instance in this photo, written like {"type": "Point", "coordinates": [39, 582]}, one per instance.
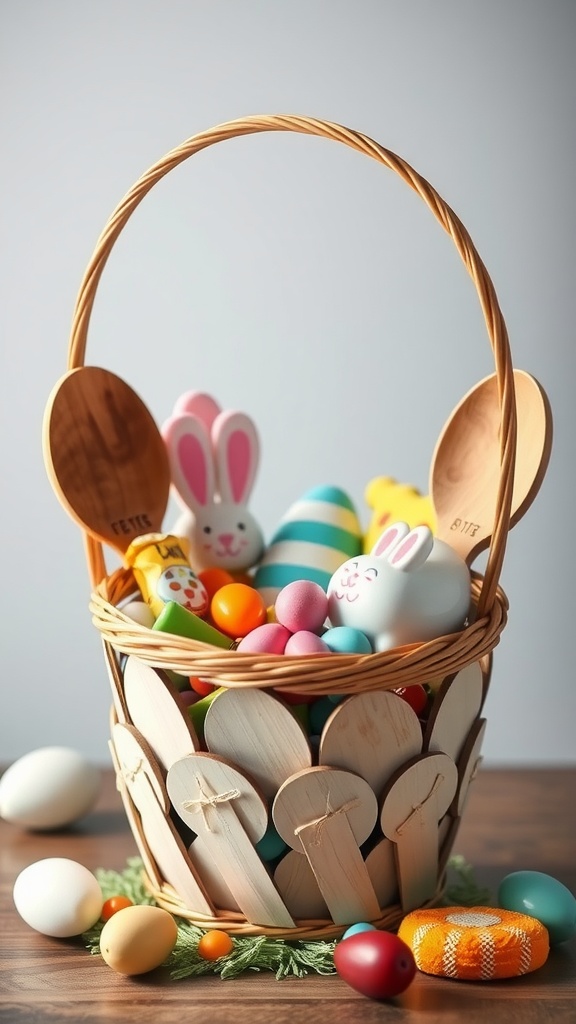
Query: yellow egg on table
{"type": "Point", "coordinates": [138, 939]}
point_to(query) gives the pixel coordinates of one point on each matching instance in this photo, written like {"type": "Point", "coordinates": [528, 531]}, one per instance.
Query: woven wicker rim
{"type": "Point", "coordinates": [338, 672]}
{"type": "Point", "coordinates": [325, 674]}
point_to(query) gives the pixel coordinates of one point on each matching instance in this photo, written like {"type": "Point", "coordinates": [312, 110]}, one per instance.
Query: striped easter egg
{"type": "Point", "coordinates": [319, 532]}
{"type": "Point", "coordinates": [475, 943]}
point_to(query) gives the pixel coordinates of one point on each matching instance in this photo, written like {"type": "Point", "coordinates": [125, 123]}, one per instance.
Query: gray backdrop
{"type": "Point", "coordinates": [291, 278]}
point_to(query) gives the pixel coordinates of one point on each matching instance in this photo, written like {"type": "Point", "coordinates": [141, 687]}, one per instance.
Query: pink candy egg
{"type": "Point", "coordinates": [306, 642]}
{"type": "Point", "coordinates": [302, 605]}
{"type": "Point", "coordinates": [269, 638]}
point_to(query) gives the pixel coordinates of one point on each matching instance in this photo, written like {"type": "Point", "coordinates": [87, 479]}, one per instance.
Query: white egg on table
{"type": "Point", "coordinates": [48, 788]}
{"type": "Point", "coordinates": [58, 897]}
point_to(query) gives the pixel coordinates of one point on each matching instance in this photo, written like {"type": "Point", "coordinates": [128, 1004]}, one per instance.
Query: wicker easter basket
{"type": "Point", "coordinates": [346, 674]}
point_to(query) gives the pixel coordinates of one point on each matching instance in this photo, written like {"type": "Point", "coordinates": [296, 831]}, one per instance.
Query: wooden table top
{"type": "Point", "coordinates": [514, 820]}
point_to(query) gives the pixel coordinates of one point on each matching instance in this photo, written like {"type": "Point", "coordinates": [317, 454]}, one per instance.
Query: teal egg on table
{"type": "Point", "coordinates": [318, 533]}
{"type": "Point", "coordinates": [541, 896]}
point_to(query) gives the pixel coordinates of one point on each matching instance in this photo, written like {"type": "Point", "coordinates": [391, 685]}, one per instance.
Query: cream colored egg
{"type": "Point", "coordinates": [48, 788]}
{"type": "Point", "coordinates": [138, 939]}
{"type": "Point", "coordinates": [139, 611]}
{"type": "Point", "coordinates": [57, 896]}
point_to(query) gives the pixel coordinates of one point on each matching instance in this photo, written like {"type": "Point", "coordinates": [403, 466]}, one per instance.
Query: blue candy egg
{"type": "Point", "coordinates": [271, 845]}
{"type": "Point", "coordinates": [362, 926]}
{"type": "Point", "coordinates": [347, 640]}
{"type": "Point", "coordinates": [320, 712]}
{"type": "Point", "coordinates": [543, 897]}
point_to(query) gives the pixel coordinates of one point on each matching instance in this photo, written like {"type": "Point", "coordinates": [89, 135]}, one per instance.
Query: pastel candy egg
{"type": "Point", "coordinates": [317, 534]}
{"type": "Point", "coordinates": [362, 926]}
{"type": "Point", "coordinates": [347, 640]}
{"type": "Point", "coordinates": [541, 896]}
{"type": "Point", "coordinates": [320, 712]}
{"type": "Point", "coordinates": [305, 642]}
{"type": "Point", "coordinates": [269, 638]}
{"type": "Point", "coordinates": [302, 604]}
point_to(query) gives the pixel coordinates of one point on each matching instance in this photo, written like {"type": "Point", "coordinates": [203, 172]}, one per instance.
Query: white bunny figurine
{"type": "Point", "coordinates": [411, 588]}
{"type": "Point", "coordinates": [213, 461]}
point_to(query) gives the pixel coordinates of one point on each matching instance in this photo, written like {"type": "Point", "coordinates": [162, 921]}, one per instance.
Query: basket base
{"type": "Point", "coordinates": [306, 930]}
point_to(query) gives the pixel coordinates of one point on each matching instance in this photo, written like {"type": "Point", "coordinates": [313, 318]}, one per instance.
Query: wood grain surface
{"type": "Point", "coordinates": [513, 820]}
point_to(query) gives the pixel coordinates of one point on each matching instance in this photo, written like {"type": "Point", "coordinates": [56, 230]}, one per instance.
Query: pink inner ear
{"type": "Point", "coordinates": [238, 457]}
{"type": "Point", "coordinates": [387, 539]}
{"type": "Point", "coordinates": [193, 467]}
{"type": "Point", "coordinates": [404, 547]}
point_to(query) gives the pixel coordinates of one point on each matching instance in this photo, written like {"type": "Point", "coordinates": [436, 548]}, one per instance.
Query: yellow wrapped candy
{"type": "Point", "coordinates": [161, 566]}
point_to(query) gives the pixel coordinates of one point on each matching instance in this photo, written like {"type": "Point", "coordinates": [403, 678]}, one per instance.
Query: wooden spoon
{"type": "Point", "coordinates": [105, 457]}
{"type": "Point", "coordinates": [465, 468]}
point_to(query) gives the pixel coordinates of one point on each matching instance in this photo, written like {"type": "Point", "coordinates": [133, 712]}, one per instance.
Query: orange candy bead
{"type": "Point", "coordinates": [202, 686]}
{"type": "Point", "coordinates": [237, 609]}
{"type": "Point", "coordinates": [214, 578]}
{"type": "Point", "coordinates": [113, 905]}
{"type": "Point", "coordinates": [215, 944]}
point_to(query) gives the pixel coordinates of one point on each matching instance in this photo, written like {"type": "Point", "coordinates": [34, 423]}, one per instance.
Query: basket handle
{"type": "Point", "coordinates": [493, 318]}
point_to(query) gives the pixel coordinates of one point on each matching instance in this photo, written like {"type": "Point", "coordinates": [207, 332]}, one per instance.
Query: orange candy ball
{"type": "Point", "coordinates": [215, 944]}
{"type": "Point", "coordinates": [201, 686]}
{"type": "Point", "coordinates": [113, 905]}
{"type": "Point", "coordinates": [214, 578]}
{"type": "Point", "coordinates": [237, 609]}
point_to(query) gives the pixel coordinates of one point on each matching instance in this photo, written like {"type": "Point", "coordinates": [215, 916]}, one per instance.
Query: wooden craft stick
{"type": "Point", "coordinates": [143, 782]}
{"type": "Point", "coordinates": [259, 734]}
{"type": "Point", "coordinates": [371, 734]}
{"type": "Point", "coordinates": [298, 887]}
{"type": "Point", "coordinates": [414, 802]}
{"type": "Point", "coordinates": [327, 813]}
{"type": "Point", "coordinates": [456, 707]}
{"type": "Point", "coordinates": [219, 803]}
{"type": "Point", "coordinates": [155, 709]}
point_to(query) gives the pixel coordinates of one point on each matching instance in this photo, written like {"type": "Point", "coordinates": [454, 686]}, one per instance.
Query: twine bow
{"type": "Point", "coordinates": [415, 810]}
{"type": "Point", "coordinates": [205, 800]}
{"type": "Point", "coordinates": [318, 823]}
{"type": "Point", "coordinates": [130, 771]}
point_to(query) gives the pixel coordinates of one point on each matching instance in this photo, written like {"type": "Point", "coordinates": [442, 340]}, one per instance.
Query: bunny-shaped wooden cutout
{"type": "Point", "coordinates": [411, 588]}
{"type": "Point", "coordinates": [213, 462]}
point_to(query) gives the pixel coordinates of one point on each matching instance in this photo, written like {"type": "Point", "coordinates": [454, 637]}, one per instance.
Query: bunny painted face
{"type": "Point", "coordinates": [410, 588]}
{"type": "Point", "coordinates": [213, 460]}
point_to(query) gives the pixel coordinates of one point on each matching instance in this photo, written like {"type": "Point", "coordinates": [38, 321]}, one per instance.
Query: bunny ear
{"type": "Point", "coordinates": [191, 462]}
{"type": "Point", "coordinates": [199, 404]}
{"type": "Point", "coordinates": [413, 550]}
{"type": "Point", "coordinates": [236, 453]}
{"type": "Point", "coordinates": [390, 538]}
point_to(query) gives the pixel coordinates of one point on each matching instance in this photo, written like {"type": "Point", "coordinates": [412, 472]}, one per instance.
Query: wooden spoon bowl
{"type": "Point", "coordinates": [465, 470]}
{"type": "Point", "coordinates": [105, 456]}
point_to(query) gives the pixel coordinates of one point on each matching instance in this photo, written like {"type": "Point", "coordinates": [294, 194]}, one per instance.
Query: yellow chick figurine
{"type": "Point", "coordinates": [390, 502]}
